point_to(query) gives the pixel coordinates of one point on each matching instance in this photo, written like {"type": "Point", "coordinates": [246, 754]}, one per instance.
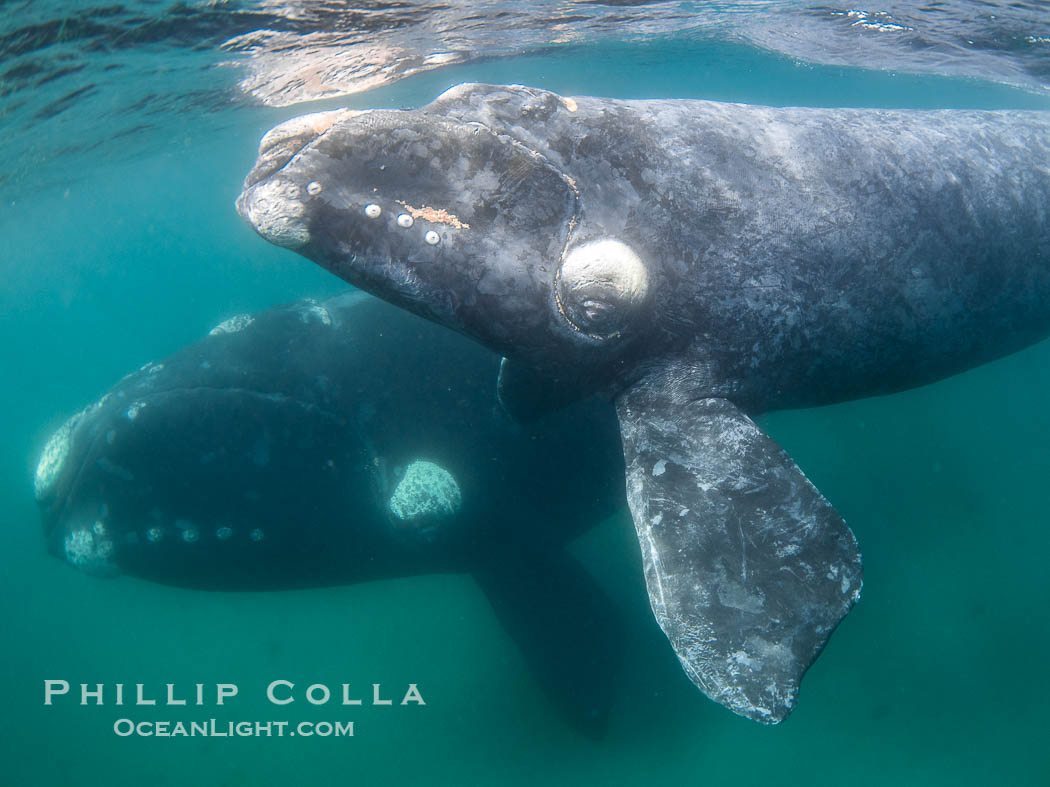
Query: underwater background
{"type": "Point", "coordinates": [119, 244]}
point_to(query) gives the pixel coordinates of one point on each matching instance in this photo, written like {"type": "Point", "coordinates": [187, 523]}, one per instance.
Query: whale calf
{"type": "Point", "coordinates": [698, 263]}
{"type": "Point", "coordinates": [340, 442]}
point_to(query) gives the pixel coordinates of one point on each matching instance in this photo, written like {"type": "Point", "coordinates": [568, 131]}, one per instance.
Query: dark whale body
{"type": "Point", "coordinates": [697, 263]}
{"type": "Point", "coordinates": [266, 456]}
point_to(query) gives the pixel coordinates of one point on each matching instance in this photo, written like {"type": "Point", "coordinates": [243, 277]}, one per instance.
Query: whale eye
{"type": "Point", "coordinates": [601, 287]}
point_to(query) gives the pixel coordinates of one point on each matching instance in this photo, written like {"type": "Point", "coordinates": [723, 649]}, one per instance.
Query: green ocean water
{"type": "Point", "coordinates": [938, 677]}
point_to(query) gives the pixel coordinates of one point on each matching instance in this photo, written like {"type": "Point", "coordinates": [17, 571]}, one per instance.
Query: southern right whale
{"type": "Point", "coordinates": [698, 263]}
{"type": "Point", "coordinates": [339, 442]}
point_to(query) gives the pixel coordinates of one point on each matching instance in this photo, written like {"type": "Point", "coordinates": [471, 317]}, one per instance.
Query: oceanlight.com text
{"type": "Point", "coordinates": [211, 728]}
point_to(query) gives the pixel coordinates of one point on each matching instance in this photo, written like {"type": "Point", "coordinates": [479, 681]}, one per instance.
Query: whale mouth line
{"type": "Point", "coordinates": [276, 398]}
{"type": "Point", "coordinates": [66, 515]}
{"type": "Point", "coordinates": [153, 396]}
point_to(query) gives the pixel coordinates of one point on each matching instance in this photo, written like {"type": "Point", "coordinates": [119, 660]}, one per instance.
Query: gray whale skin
{"type": "Point", "coordinates": [697, 263]}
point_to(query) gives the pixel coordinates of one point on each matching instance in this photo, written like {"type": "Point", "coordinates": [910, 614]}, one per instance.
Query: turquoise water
{"type": "Point", "coordinates": [937, 677]}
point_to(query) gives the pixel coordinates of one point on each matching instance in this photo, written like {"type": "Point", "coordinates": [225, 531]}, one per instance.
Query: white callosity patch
{"type": "Point", "coordinates": [53, 456]}
{"type": "Point", "coordinates": [404, 220]}
{"type": "Point", "coordinates": [295, 130]}
{"type": "Point", "coordinates": [315, 311]}
{"type": "Point", "coordinates": [90, 550]}
{"type": "Point", "coordinates": [601, 286]}
{"type": "Point", "coordinates": [431, 238]}
{"type": "Point", "coordinates": [373, 211]}
{"type": "Point", "coordinates": [276, 210]}
{"type": "Point", "coordinates": [133, 411]}
{"type": "Point", "coordinates": [427, 492]}
{"type": "Point", "coordinates": [224, 533]}
{"type": "Point", "coordinates": [236, 323]}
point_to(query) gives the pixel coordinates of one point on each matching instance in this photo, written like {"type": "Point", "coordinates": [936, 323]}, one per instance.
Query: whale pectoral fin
{"type": "Point", "coordinates": [749, 569]}
{"type": "Point", "coordinates": [567, 628]}
{"type": "Point", "coordinates": [525, 395]}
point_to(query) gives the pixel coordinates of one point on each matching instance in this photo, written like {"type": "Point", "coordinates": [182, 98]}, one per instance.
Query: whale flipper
{"type": "Point", "coordinates": [749, 569]}
{"type": "Point", "coordinates": [567, 628]}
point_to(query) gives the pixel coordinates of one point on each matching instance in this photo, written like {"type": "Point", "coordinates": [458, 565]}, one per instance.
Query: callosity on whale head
{"type": "Point", "coordinates": [452, 220]}
{"type": "Point", "coordinates": [697, 262]}
{"type": "Point", "coordinates": [82, 538]}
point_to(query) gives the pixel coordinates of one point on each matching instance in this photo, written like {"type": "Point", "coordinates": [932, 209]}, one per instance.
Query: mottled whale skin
{"type": "Point", "coordinates": [698, 263]}
{"type": "Point", "coordinates": [270, 455]}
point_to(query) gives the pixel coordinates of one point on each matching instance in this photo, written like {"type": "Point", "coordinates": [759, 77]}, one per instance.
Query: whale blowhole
{"type": "Point", "coordinates": [601, 287]}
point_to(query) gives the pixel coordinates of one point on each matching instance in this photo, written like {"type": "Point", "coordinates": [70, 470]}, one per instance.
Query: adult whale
{"type": "Point", "coordinates": [340, 442]}
{"type": "Point", "coordinates": [698, 263]}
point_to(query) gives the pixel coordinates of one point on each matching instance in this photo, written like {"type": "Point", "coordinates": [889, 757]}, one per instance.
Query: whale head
{"type": "Point", "coordinates": [458, 223]}
{"type": "Point", "coordinates": [225, 466]}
